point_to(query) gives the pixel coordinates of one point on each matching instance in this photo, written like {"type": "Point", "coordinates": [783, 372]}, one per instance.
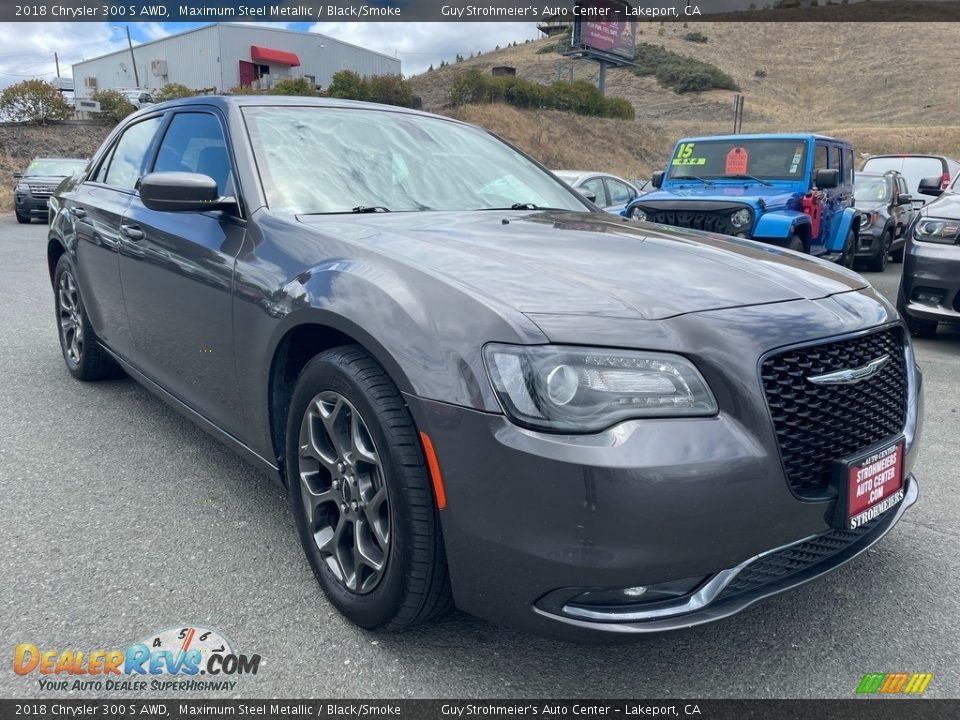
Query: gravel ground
{"type": "Point", "coordinates": [119, 519]}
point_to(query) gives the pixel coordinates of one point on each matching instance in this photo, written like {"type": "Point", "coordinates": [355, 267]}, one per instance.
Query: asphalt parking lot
{"type": "Point", "coordinates": [118, 519]}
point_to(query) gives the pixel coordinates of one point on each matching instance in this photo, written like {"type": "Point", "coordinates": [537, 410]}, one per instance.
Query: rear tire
{"type": "Point", "coordinates": [23, 219]}
{"type": "Point", "coordinates": [879, 263]}
{"type": "Point", "coordinates": [361, 494]}
{"type": "Point", "coordinates": [85, 357]}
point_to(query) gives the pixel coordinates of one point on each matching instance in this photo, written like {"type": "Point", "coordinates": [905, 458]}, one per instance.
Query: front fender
{"type": "Point", "coordinates": [780, 224]}
{"type": "Point", "coordinates": [840, 227]}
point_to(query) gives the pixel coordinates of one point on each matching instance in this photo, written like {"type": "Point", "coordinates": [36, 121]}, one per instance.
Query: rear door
{"type": "Point", "coordinates": [595, 185]}
{"type": "Point", "coordinates": [96, 211]}
{"type": "Point", "coordinates": [619, 194]}
{"type": "Point", "coordinates": [177, 273]}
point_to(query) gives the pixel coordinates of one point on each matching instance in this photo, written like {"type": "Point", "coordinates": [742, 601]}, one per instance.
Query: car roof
{"type": "Point", "coordinates": [226, 101]}
{"type": "Point", "coordinates": [580, 174]}
{"type": "Point", "coordinates": [765, 136]}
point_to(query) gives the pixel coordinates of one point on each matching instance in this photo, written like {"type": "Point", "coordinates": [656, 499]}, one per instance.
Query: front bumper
{"type": "Point", "coordinates": [931, 269]}
{"type": "Point", "coordinates": [869, 242]}
{"type": "Point", "coordinates": [534, 519]}
{"type": "Point", "coordinates": [29, 205]}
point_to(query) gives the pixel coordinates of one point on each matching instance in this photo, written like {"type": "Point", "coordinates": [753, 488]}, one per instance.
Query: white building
{"type": "Point", "coordinates": [216, 58]}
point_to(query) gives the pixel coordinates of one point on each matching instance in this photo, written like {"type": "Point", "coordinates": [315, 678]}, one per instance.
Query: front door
{"type": "Point", "coordinates": [177, 275]}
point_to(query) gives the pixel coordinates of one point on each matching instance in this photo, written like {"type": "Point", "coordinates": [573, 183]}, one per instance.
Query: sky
{"type": "Point", "coordinates": [27, 49]}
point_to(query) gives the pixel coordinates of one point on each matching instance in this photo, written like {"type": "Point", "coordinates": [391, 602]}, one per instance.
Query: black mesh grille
{"type": "Point", "coordinates": [717, 222]}
{"type": "Point", "coordinates": [794, 559]}
{"type": "Point", "coordinates": [817, 424]}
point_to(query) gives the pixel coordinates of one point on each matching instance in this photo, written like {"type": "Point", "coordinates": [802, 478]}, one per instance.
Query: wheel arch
{"type": "Point", "coordinates": [55, 250]}
{"type": "Point", "coordinates": [296, 347]}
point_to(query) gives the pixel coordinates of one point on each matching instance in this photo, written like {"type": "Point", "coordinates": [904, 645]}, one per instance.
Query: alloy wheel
{"type": "Point", "coordinates": [343, 491]}
{"type": "Point", "coordinates": [71, 318]}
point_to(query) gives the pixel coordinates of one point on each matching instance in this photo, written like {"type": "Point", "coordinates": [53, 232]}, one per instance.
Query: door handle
{"type": "Point", "coordinates": [79, 212]}
{"type": "Point", "coordinates": [131, 231]}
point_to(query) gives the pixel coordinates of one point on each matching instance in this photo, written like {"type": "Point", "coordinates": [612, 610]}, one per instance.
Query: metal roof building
{"type": "Point", "coordinates": [219, 57]}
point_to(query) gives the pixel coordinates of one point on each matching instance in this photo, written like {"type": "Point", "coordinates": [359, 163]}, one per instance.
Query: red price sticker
{"type": "Point", "coordinates": [736, 162]}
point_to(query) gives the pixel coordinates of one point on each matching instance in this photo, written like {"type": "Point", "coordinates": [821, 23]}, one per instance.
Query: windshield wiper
{"type": "Point", "coordinates": [694, 177]}
{"type": "Point", "coordinates": [370, 209]}
{"type": "Point", "coordinates": [749, 177]}
{"type": "Point", "coordinates": [527, 206]}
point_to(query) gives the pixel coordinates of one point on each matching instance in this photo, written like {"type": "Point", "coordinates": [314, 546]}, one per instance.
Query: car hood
{"type": "Point", "coordinates": [870, 205]}
{"type": "Point", "coordinates": [946, 206]}
{"type": "Point", "coordinates": [590, 263]}
{"type": "Point", "coordinates": [44, 178]}
{"type": "Point", "coordinates": [772, 196]}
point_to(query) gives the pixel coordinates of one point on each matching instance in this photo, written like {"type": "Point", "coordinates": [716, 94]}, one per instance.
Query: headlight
{"type": "Point", "coordinates": [741, 218]}
{"type": "Point", "coordinates": [638, 214]}
{"type": "Point", "coordinates": [937, 231]}
{"type": "Point", "coordinates": [865, 221]}
{"type": "Point", "coordinates": [581, 390]}
{"type": "Point", "coordinates": [22, 188]}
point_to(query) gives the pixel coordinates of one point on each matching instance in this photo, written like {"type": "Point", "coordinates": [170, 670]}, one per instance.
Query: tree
{"type": "Point", "coordinates": [114, 107]}
{"type": "Point", "coordinates": [34, 101]}
{"type": "Point", "coordinates": [347, 85]}
{"type": "Point", "coordinates": [294, 86]}
{"type": "Point", "coordinates": [171, 91]}
{"type": "Point", "coordinates": [390, 90]}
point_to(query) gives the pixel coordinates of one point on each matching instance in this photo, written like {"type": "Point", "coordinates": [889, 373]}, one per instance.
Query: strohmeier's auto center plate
{"type": "Point", "coordinates": [870, 483]}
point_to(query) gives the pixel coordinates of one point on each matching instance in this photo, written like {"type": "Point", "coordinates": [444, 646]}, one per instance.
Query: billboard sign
{"type": "Point", "coordinates": [604, 27]}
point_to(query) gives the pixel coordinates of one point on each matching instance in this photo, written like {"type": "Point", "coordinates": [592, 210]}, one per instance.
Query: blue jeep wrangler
{"type": "Point", "coordinates": [791, 190]}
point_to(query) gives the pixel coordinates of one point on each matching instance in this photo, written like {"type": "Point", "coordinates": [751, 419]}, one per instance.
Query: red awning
{"type": "Point", "coordinates": [269, 55]}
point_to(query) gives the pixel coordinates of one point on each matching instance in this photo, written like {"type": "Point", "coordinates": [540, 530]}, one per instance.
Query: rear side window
{"type": "Point", "coordinates": [130, 154]}
{"type": "Point", "coordinates": [194, 143]}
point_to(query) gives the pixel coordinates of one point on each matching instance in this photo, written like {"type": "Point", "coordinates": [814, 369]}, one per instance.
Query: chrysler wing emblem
{"type": "Point", "coordinates": [848, 376]}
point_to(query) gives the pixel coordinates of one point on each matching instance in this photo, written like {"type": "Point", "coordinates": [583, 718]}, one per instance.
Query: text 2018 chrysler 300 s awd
{"type": "Point", "coordinates": [479, 389]}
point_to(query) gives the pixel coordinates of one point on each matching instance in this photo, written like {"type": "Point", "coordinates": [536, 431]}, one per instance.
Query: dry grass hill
{"type": "Point", "coordinates": [888, 87]}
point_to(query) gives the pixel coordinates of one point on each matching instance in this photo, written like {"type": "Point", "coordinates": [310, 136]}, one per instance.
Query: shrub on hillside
{"type": "Point", "coordinates": [696, 37]}
{"type": "Point", "coordinates": [579, 97]}
{"type": "Point", "coordinates": [171, 91]}
{"type": "Point", "coordinates": [294, 86]}
{"type": "Point", "coordinates": [34, 101]}
{"type": "Point", "coordinates": [682, 73]}
{"type": "Point", "coordinates": [386, 89]}
{"type": "Point", "coordinates": [114, 107]}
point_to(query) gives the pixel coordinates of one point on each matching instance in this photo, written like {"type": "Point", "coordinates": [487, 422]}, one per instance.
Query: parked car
{"type": "Point", "coordinates": [795, 191]}
{"type": "Point", "coordinates": [36, 184]}
{"type": "Point", "coordinates": [612, 193]}
{"type": "Point", "coordinates": [915, 168]}
{"type": "Point", "coordinates": [886, 212]}
{"type": "Point", "coordinates": [138, 98]}
{"type": "Point", "coordinates": [930, 284]}
{"type": "Point", "coordinates": [471, 381]}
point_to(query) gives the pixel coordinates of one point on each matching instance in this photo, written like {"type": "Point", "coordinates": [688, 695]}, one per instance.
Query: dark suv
{"type": "Point", "coordinates": [476, 387]}
{"type": "Point", "coordinates": [36, 184]}
{"type": "Point", "coordinates": [886, 211]}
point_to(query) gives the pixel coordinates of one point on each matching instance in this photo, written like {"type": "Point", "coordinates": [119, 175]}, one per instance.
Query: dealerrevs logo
{"type": "Point", "coordinates": [180, 659]}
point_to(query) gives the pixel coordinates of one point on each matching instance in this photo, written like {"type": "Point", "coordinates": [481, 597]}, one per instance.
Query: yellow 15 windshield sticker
{"type": "Point", "coordinates": [685, 156]}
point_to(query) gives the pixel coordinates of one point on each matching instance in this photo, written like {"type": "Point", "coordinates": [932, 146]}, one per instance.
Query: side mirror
{"type": "Point", "coordinates": [904, 199]}
{"type": "Point", "coordinates": [588, 194]}
{"type": "Point", "coordinates": [931, 186]}
{"type": "Point", "coordinates": [182, 192]}
{"type": "Point", "coordinates": [827, 179]}
{"type": "Point", "coordinates": [657, 179]}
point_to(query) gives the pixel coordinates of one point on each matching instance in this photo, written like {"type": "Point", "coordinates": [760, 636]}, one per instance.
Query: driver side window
{"type": "Point", "coordinates": [194, 143]}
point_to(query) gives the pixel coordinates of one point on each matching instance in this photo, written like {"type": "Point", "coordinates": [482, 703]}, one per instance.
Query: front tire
{"type": "Point", "coordinates": [795, 243]}
{"type": "Point", "coordinates": [82, 352]}
{"type": "Point", "coordinates": [848, 254]}
{"type": "Point", "coordinates": [879, 263]}
{"type": "Point", "coordinates": [361, 494]}
{"type": "Point", "coordinates": [918, 328]}
{"type": "Point", "coordinates": [897, 255]}
{"type": "Point", "coordinates": [23, 219]}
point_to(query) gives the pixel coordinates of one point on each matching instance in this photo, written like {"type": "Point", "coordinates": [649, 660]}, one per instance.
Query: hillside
{"type": "Point", "coordinates": [835, 78]}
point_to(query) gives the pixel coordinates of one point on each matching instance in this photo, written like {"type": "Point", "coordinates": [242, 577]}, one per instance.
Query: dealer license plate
{"type": "Point", "coordinates": [873, 483]}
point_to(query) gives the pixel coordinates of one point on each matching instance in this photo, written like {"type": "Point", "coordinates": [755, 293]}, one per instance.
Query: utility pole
{"type": "Point", "coordinates": [136, 75]}
{"type": "Point", "coordinates": [56, 61]}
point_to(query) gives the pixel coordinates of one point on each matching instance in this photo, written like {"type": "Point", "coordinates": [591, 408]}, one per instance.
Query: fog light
{"type": "Point", "coordinates": [934, 297]}
{"type": "Point", "coordinates": [638, 594]}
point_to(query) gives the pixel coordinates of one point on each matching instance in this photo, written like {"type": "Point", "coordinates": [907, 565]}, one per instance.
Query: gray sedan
{"type": "Point", "coordinates": [611, 193]}
{"type": "Point", "coordinates": [476, 389]}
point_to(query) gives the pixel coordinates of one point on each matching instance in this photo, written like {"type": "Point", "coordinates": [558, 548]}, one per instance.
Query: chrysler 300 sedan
{"type": "Point", "coordinates": [479, 389]}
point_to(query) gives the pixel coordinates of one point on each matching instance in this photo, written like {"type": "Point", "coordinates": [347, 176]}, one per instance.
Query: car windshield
{"type": "Point", "coordinates": [340, 160]}
{"type": "Point", "coordinates": [55, 167]}
{"type": "Point", "coordinates": [739, 159]}
{"type": "Point", "coordinates": [871, 189]}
